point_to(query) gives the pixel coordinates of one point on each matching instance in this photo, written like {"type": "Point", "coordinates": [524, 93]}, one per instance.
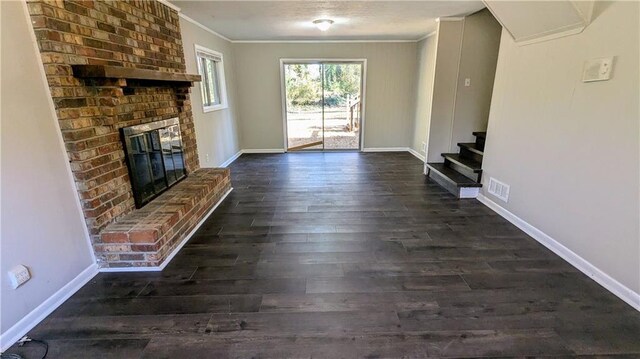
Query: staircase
{"type": "Point", "coordinates": [461, 172]}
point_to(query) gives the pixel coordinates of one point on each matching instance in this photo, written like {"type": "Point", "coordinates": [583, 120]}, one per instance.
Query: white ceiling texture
{"type": "Point", "coordinates": [353, 20]}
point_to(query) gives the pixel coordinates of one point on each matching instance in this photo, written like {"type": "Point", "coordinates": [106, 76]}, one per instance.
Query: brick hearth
{"type": "Point", "coordinates": [146, 236]}
{"type": "Point", "coordinates": [132, 34]}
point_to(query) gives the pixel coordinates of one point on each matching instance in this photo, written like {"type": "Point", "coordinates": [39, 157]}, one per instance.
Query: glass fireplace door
{"type": "Point", "coordinates": [154, 157]}
{"type": "Point", "coordinates": [172, 153]}
{"type": "Point", "coordinates": [140, 165]}
{"type": "Point", "coordinates": [157, 165]}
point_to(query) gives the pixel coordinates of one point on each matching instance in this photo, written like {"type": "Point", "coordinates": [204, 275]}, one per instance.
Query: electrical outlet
{"type": "Point", "coordinates": [467, 82]}
{"type": "Point", "coordinates": [206, 158]}
{"type": "Point", "coordinates": [18, 275]}
{"type": "Point", "coordinates": [424, 147]}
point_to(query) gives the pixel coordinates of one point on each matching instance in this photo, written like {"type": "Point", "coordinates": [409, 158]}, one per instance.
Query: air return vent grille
{"type": "Point", "coordinates": [499, 189]}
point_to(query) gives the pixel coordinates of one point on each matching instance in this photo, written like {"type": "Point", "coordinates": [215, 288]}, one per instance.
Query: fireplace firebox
{"type": "Point", "coordinates": [154, 157]}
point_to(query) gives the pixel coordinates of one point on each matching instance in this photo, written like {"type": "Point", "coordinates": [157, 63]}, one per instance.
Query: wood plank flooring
{"type": "Point", "coordinates": [346, 255]}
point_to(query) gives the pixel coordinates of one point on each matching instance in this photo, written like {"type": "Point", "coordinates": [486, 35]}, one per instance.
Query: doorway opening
{"type": "Point", "coordinates": [323, 104]}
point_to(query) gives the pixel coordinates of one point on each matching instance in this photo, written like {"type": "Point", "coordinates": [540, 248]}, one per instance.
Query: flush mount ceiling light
{"type": "Point", "coordinates": [323, 24]}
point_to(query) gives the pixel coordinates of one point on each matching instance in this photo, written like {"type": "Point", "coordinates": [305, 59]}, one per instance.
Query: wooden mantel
{"type": "Point", "coordinates": [119, 72]}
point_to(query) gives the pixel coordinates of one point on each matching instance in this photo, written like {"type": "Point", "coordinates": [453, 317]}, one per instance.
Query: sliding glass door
{"type": "Point", "coordinates": [323, 105]}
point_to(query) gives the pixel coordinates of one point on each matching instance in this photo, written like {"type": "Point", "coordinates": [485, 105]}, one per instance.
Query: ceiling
{"type": "Point", "coordinates": [354, 20]}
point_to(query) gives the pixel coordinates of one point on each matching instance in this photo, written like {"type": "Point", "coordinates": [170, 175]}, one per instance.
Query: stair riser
{"type": "Point", "coordinates": [459, 192]}
{"type": "Point", "coordinates": [435, 176]}
{"type": "Point", "coordinates": [464, 171]}
{"type": "Point", "coordinates": [469, 154]}
{"type": "Point", "coordinates": [480, 143]}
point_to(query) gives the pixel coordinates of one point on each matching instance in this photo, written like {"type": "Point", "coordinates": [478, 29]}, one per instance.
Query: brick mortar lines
{"type": "Point", "coordinates": [142, 35]}
{"type": "Point", "coordinates": [65, 48]}
{"type": "Point", "coordinates": [104, 37]}
{"type": "Point", "coordinates": [201, 191]}
{"type": "Point", "coordinates": [123, 62]}
{"type": "Point", "coordinates": [132, 13]}
{"type": "Point", "coordinates": [179, 233]}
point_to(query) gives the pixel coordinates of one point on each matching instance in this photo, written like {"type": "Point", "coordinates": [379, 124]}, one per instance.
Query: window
{"type": "Point", "coordinates": [211, 68]}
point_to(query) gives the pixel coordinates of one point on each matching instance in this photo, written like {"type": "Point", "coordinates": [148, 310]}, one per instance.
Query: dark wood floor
{"type": "Point", "coordinates": [346, 255]}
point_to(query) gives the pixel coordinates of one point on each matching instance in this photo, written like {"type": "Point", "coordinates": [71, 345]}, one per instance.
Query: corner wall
{"type": "Point", "coordinates": [217, 132]}
{"type": "Point", "coordinates": [42, 225]}
{"type": "Point", "coordinates": [466, 48]}
{"type": "Point", "coordinates": [445, 81]}
{"type": "Point", "coordinates": [478, 59]}
{"type": "Point", "coordinates": [425, 72]}
{"type": "Point", "coordinates": [570, 150]}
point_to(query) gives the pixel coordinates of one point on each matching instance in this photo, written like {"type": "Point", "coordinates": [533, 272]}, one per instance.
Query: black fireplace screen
{"type": "Point", "coordinates": [155, 158]}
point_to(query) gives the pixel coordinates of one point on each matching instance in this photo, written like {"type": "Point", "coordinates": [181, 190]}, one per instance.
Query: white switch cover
{"type": "Point", "coordinates": [597, 69]}
{"type": "Point", "coordinates": [18, 275]}
{"type": "Point", "coordinates": [467, 82]}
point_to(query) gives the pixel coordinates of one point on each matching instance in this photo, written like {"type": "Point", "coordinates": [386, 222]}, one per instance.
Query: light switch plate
{"type": "Point", "coordinates": [597, 69]}
{"type": "Point", "coordinates": [467, 82]}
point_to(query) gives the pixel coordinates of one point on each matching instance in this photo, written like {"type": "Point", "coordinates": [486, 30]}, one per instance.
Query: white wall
{"type": "Point", "coordinates": [217, 132]}
{"type": "Point", "coordinates": [466, 48]}
{"type": "Point", "coordinates": [389, 93]}
{"type": "Point", "coordinates": [478, 57]}
{"type": "Point", "coordinates": [42, 226]}
{"type": "Point", "coordinates": [570, 150]}
{"type": "Point", "coordinates": [425, 72]}
{"type": "Point", "coordinates": [449, 43]}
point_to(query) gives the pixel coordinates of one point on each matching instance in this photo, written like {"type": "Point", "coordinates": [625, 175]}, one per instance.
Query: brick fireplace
{"type": "Point", "coordinates": [116, 64]}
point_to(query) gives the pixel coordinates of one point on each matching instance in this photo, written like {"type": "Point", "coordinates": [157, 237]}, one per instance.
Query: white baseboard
{"type": "Point", "coordinates": [395, 149]}
{"type": "Point", "coordinates": [620, 290]}
{"type": "Point", "coordinates": [230, 160]}
{"type": "Point", "coordinates": [386, 149]}
{"type": "Point", "coordinates": [368, 149]}
{"type": "Point", "coordinates": [32, 319]}
{"type": "Point", "coordinates": [175, 250]}
{"type": "Point", "coordinates": [250, 150]}
{"type": "Point", "coordinates": [263, 150]}
{"type": "Point", "coordinates": [416, 154]}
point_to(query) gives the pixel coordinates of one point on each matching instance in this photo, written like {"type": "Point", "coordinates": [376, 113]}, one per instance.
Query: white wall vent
{"type": "Point", "coordinates": [499, 189]}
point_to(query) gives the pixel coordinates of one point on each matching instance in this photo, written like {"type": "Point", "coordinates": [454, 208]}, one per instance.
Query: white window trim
{"type": "Point", "coordinates": [222, 82]}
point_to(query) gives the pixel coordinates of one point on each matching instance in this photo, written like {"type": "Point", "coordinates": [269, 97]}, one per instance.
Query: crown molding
{"type": "Point", "coordinates": [427, 36]}
{"type": "Point", "coordinates": [441, 19]}
{"type": "Point", "coordinates": [185, 17]}
{"type": "Point", "coordinates": [316, 41]}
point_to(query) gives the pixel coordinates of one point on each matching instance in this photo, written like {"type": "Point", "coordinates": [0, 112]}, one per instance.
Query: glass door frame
{"type": "Point", "coordinates": [322, 61]}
